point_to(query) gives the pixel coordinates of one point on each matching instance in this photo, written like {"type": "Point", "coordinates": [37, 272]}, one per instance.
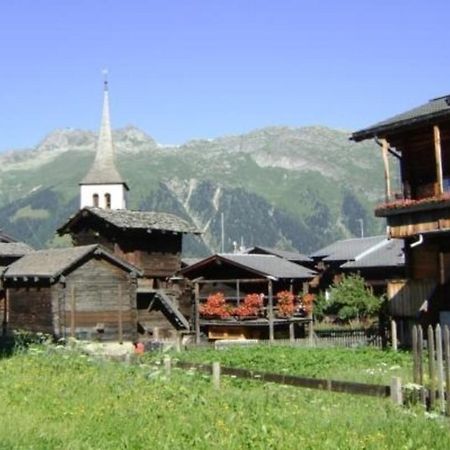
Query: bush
{"type": "Point", "coordinates": [350, 299]}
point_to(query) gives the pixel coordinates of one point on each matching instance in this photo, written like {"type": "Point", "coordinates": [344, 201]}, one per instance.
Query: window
{"type": "Point", "coordinates": [95, 200]}
{"type": "Point", "coordinates": [108, 201]}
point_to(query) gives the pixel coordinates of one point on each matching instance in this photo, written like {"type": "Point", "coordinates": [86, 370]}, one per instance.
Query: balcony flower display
{"type": "Point", "coordinates": [250, 307]}
{"type": "Point", "coordinates": [285, 303]}
{"type": "Point", "coordinates": [215, 307]}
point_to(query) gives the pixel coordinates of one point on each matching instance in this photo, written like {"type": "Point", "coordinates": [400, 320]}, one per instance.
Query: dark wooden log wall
{"type": "Point", "coordinates": [30, 309]}
{"type": "Point", "coordinates": [157, 253]}
{"type": "Point", "coordinates": [100, 302]}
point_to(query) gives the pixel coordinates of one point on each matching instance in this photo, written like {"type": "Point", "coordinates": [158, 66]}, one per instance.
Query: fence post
{"type": "Point", "coordinates": [394, 335]}
{"type": "Point", "coordinates": [447, 365]}
{"type": "Point", "coordinates": [396, 390]}
{"type": "Point", "coordinates": [431, 366]}
{"type": "Point", "coordinates": [423, 398]}
{"type": "Point", "coordinates": [216, 374]}
{"type": "Point", "coordinates": [167, 365]}
{"type": "Point", "coordinates": [415, 355]}
{"type": "Point", "coordinates": [440, 368]}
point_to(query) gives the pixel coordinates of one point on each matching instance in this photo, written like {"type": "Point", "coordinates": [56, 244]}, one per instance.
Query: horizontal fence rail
{"type": "Point", "coordinates": [374, 390]}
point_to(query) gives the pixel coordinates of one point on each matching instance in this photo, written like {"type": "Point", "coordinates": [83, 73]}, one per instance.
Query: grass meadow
{"type": "Point", "coordinates": [54, 398]}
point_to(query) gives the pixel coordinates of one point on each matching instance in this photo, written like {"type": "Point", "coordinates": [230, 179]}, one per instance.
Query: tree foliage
{"type": "Point", "coordinates": [351, 299]}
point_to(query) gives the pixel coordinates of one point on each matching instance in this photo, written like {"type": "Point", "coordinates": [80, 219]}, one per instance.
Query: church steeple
{"type": "Point", "coordinates": [103, 186]}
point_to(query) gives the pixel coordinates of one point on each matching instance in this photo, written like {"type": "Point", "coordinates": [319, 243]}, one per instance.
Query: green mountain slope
{"type": "Point", "coordinates": [289, 187]}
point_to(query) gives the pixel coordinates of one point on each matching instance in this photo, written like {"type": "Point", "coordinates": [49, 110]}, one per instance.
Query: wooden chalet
{"type": "Point", "coordinates": [84, 292]}
{"type": "Point", "coordinates": [236, 275]}
{"type": "Point", "coordinates": [10, 251]}
{"type": "Point", "coordinates": [376, 258]}
{"type": "Point", "coordinates": [417, 142]}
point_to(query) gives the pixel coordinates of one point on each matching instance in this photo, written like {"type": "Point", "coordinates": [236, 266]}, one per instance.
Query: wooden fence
{"type": "Point", "coordinates": [431, 366]}
{"type": "Point", "coordinates": [374, 390]}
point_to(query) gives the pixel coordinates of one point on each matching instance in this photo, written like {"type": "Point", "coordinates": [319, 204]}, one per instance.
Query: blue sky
{"type": "Point", "coordinates": [183, 69]}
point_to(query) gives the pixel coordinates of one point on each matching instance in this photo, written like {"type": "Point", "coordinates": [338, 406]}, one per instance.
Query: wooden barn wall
{"type": "Point", "coordinates": [155, 324]}
{"type": "Point", "coordinates": [406, 297]}
{"type": "Point", "coordinates": [157, 254]}
{"type": "Point", "coordinates": [99, 302]}
{"type": "Point", "coordinates": [423, 262]}
{"type": "Point", "coordinates": [30, 309]}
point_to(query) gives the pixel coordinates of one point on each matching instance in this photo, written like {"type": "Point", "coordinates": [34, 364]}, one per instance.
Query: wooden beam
{"type": "Point", "coordinates": [438, 159]}
{"type": "Point", "coordinates": [72, 311]}
{"type": "Point", "coordinates": [441, 268]}
{"type": "Point", "coordinates": [120, 318]}
{"type": "Point", "coordinates": [197, 312]}
{"type": "Point", "coordinates": [270, 305]}
{"type": "Point", "coordinates": [387, 177]}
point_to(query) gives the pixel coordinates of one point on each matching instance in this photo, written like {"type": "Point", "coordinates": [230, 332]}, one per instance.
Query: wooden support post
{"type": "Point", "coordinates": [438, 159]}
{"type": "Point", "coordinates": [178, 342]}
{"type": "Point", "coordinates": [396, 391]}
{"type": "Point", "coordinates": [119, 316]}
{"type": "Point", "coordinates": [270, 306]}
{"type": "Point", "coordinates": [238, 293]}
{"type": "Point", "coordinates": [387, 177]}
{"type": "Point", "coordinates": [5, 313]}
{"type": "Point", "coordinates": [415, 354]}
{"type": "Point", "coordinates": [216, 375]}
{"type": "Point", "coordinates": [447, 366]}
{"type": "Point", "coordinates": [440, 368]}
{"type": "Point", "coordinates": [72, 311]}
{"type": "Point", "coordinates": [291, 332]}
{"type": "Point", "coordinates": [167, 365]}
{"type": "Point", "coordinates": [441, 268]}
{"type": "Point", "coordinates": [394, 335]}
{"type": "Point", "coordinates": [197, 312]}
{"type": "Point", "coordinates": [431, 366]}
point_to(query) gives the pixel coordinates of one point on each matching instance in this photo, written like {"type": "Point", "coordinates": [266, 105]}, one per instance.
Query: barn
{"type": "Point", "coordinates": [83, 292]}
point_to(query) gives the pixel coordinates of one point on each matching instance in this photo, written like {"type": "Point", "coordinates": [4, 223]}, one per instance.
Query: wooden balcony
{"type": "Point", "coordinates": [407, 217]}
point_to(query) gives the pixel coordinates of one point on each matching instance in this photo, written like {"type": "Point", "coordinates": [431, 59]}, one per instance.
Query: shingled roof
{"type": "Point", "coordinates": [435, 109]}
{"type": "Point", "coordinates": [15, 249]}
{"type": "Point", "coordinates": [127, 219]}
{"type": "Point", "coordinates": [52, 263]}
{"type": "Point", "coordinates": [289, 255]}
{"type": "Point", "coordinates": [388, 255]}
{"type": "Point", "coordinates": [262, 265]}
{"type": "Point", "coordinates": [349, 249]}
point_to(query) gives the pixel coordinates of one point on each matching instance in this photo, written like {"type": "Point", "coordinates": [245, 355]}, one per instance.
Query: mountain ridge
{"type": "Point", "coordinates": [313, 180]}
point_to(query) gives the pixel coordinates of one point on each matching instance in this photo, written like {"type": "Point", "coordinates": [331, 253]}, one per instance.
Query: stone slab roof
{"type": "Point", "coordinates": [6, 238]}
{"type": "Point", "coordinates": [348, 249]}
{"type": "Point", "coordinates": [289, 255]}
{"type": "Point", "coordinates": [138, 220]}
{"type": "Point", "coordinates": [14, 249]}
{"type": "Point", "coordinates": [388, 255]}
{"type": "Point", "coordinates": [437, 108]}
{"type": "Point", "coordinates": [262, 265]}
{"type": "Point", "coordinates": [51, 263]}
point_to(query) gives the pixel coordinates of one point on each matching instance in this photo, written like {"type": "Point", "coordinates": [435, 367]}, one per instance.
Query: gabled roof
{"type": "Point", "coordinates": [388, 255]}
{"type": "Point", "coordinates": [435, 109]}
{"type": "Point", "coordinates": [15, 249]}
{"type": "Point", "coordinates": [6, 238]}
{"type": "Point", "coordinates": [261, 265]}
{"type": "Point", "coordinates": [348, 249]}
{"type": "Point", "coordinates": [136, 220]}
{"type": "Point", "coordinates": [289, 255]}
{"type": "Point", "coordinates": [52, 263]}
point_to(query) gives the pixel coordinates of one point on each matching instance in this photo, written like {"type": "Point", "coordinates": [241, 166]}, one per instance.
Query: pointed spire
{"type": "Point", "coordinates": [103, 170]}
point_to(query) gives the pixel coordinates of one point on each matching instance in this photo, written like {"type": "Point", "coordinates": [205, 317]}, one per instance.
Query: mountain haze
{"type": "Point", "coordinates": [277, 186]}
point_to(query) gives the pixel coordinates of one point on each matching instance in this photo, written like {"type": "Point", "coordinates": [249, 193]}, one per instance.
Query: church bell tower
{"type": "Point", "coordinates": [103, 187]}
